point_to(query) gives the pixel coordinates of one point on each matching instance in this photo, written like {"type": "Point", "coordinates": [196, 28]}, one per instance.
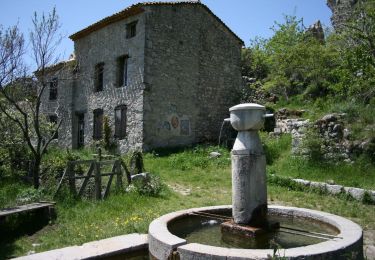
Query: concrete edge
{"type": "Point", "coordinates": [96, 249]}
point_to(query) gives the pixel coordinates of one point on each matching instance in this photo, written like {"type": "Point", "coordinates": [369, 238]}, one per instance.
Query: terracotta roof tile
{"type": "Point", "coordinates": [137, 9]}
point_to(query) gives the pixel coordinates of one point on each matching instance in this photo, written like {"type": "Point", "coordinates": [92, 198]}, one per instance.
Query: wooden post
{"type": "Point", "coordinates": [119, 175]}
{"type": "Point", "coordinates": [87, 179]}
{"type": "Point", "coordinates": [98, 182]}
{"type": "Point", "coordinates": [72, 180]}
{"type": "Point", "coordinates": [128, 176]}
{"type": "Point", "coordinates": [108, 188]}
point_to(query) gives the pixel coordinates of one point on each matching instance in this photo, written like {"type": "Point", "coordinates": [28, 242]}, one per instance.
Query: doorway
{"type": "Point", "coordinates": [80, 130]}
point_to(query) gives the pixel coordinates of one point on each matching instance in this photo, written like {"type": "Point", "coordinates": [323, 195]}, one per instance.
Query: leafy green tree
{"type": "Point", "coordinates": [292, 61]}
{"type": "Point", "coordinates": [254, 60]}
{"type": "Point", "coordinates": [356, 45]}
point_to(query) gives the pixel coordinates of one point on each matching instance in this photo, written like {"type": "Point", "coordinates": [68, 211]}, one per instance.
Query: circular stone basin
{"type": "Point", "coordinates": [197, 237]}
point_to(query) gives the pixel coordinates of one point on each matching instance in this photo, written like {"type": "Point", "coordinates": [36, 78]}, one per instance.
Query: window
{"type": "Point", "coordinates": [53, 121]}
{"type": "Point", "coordinates": [53, 89]}
{"type": "Point", "coordinates": [98, 124]}
{"type": "Point", "coordinates": [120, 121]}
{"type": "Point", "coordinates": [131, 29]}
{"type": "Point", "coordinates": [122, 71]}
{"type": "Point", "coordinates": [99, 76]}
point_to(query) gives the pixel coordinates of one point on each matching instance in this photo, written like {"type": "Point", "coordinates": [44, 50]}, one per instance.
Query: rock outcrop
{"type": "Point", "coordinates": [341, 11]}
{"type": "Point", "coordinates": [316, 30]}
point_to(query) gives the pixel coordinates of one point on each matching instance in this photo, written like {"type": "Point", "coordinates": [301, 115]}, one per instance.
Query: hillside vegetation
{"type": "Point", "coordinates": [298, 69]}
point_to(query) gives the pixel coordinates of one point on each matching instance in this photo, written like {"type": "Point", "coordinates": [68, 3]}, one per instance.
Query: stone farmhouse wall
{"type": "Point", "coordinates": [184, 74]}
{"type": "Point", "coordinates": [62, 106]}
{"type": "Point", "coordinates": [192, 70]}
{"type": "Point", "coordinates": [107, 45]}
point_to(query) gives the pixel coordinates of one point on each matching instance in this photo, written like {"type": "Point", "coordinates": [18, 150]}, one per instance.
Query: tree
{"type": "Point", "coordinates": [26, 113]}
{"type": "Point", "coordinates": [356, 44]}
{"type": "Point", "coordinates": [292, 62]}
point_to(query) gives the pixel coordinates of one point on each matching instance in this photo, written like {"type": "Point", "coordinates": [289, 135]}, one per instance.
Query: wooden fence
{"type": "Point", "coordinates": [94, 171]}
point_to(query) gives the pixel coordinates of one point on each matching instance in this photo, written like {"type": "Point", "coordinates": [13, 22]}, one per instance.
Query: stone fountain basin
{"type": "Point", "coordinates": [248, 116]}
{"type": "Point", "coordinates": [163, 244]}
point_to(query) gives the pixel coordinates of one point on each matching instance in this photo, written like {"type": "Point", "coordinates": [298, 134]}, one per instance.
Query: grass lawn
{"type": "Point", "coordinates": [360, 174]}
{"type": "Point", "coordinates": [192, 179]}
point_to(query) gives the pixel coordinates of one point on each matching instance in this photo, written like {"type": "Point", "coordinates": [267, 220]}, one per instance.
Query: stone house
{"type": "Point", "coordinates": [163, 74]}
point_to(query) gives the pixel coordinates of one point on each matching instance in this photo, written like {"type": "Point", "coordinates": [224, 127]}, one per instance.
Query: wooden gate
{"type": "Point", "coordinates": [94, 171]}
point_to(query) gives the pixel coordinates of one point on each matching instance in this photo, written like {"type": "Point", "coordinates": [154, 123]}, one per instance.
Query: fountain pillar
{"type": "Point", "coordinates": [249, 189]}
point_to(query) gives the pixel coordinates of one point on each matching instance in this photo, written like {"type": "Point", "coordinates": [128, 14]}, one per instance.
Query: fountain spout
{"type": "Point", "coordinates": [221, 128]}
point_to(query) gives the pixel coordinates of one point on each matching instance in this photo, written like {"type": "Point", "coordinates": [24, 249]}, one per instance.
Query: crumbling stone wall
{"type": "Point", "coordinates": [335, 139]}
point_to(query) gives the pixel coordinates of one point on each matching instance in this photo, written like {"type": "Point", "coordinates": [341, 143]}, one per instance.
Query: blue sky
{"type": "Point", "coordinates": [247, 18]}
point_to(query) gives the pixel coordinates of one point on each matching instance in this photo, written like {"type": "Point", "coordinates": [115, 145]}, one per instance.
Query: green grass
{"type": "Point", "coordinates": [281, 162]}
{"type": "Point", "coordinates": [204, 182]}
{"type": "Point", "coordinates": [9, 189]}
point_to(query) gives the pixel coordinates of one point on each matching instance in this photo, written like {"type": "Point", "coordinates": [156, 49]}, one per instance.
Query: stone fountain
{"type": "Point", "coordinates": [173, 236]}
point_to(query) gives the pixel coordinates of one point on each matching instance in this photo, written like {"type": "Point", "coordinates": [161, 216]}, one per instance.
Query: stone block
{"type": "Point", "coordinates": [302, 182]}
{"type": "Point", "coordinates": [215, 155]}
{"type": "Point", "coordinates": [372, 194]}
{"type": "Point", "coordinates": [318, 185]}
{"type": "Point", "coordinates": [356, 193]}
{"type": "Point", "coordinates": [334, 189]}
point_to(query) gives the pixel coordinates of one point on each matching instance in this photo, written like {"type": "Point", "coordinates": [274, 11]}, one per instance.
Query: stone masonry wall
{"type": "Point", "coordinates": [61, 107]}
{"type": "Point", "coordinates": [334, 138]}
{"type": "Point", "coordinates": [107, 45]}
{"type": "Point", "coordinates": [192, 72]}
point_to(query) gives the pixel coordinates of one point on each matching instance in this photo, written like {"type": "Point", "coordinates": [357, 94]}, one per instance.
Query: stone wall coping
{"type": "Point", "coordinates": [334, 189]}
{"type": "Point", "coordinates": [96, 249]}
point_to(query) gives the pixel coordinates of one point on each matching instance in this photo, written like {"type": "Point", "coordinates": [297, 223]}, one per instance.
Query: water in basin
{"type": "Point", "coordinates": [197, 229]}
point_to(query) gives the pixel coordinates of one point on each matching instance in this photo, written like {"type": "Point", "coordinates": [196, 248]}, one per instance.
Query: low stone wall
{"type": "Point", "coordinates": [359, 194]}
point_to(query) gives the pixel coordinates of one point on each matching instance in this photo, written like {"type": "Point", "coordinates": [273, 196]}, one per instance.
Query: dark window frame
{"type": "Point", "coordinates": [98, 117]}
{"type": "Point", "coordinates": [122, 71]}
{"type": "Point", "coordinates": [53, 119]}
{"type": "Point", "coordinates": [131, 29]}
{"type": "Point", "coordinates": [99, 77]}
{"type": "Point", "coordinates": [120, 121]}
{"type": "Point", "coordinates": [53, 89]}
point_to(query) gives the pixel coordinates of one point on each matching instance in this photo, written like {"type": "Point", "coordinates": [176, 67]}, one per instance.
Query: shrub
{"type": "Point", "coordinates": [151, 186]}
{"type": "Point", "coordinates": [29, 195]}
{"type": "Point", "coordinates": [312, 145]}
{"type": "Point", "coordinates": [108, 142]}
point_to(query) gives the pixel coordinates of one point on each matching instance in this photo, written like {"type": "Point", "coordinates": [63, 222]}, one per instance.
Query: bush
{"type": "Point", "coordinates": [150, 186]}
{"type": "Point", "coordinates": [53, 167]}
{"type": "Point", "coordinates": [29, 195]}
{"type": "Point", "coordinates": [312, 146]}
